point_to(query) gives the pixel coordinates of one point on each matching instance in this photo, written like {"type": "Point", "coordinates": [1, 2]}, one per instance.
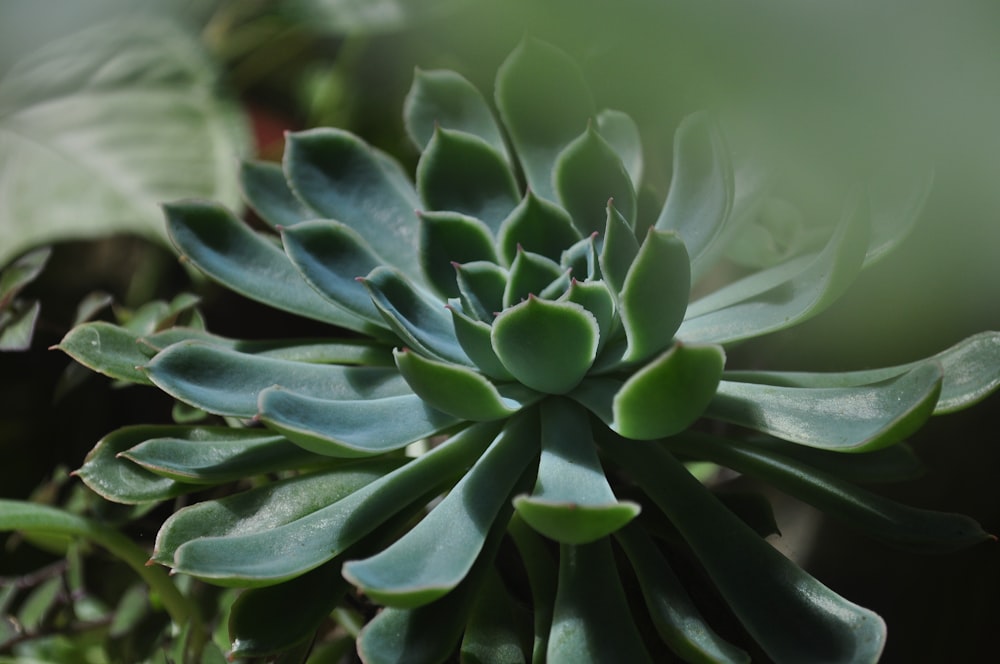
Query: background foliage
{"type": "Point", "coordinates": [824, 91]}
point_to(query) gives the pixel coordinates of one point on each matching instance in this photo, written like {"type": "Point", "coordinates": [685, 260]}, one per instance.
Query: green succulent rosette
{"type": "Point", "coordinates": [501, 445]}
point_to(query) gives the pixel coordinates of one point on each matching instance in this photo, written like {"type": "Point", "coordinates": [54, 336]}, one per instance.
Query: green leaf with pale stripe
{"type": "Point", "coordinates": [351, 428]}
{"type": "Point", "coordinates": [227, 382]}
{"type": "Point", "coordinates": [436, 554]}
{"type": "Point", "coordinates": [572, 501]}
{"type": "Point", "coordinates": [843, 419]}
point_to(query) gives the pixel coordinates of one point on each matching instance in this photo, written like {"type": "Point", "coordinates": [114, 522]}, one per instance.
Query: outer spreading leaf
{"type": "Point", "coordinates": [228, 251]}
{"type": "Point", "coordinates": [266, 191]}
{"type": "Point", "coordinates": [572, 501]}
{"type": "Point", "coordinates": [108, 349]}
{"type": "Point", "coordinates": [545, 104]}
{"type": "Point", "coordinates": [350, 428]}
{"type": "Point", "coordinates": [791, 615]}
{"type": "Point", "coordinates": [101, 126]}
{"type": "Point", "coordinates": [343, 178]}
{"type": "Point", "coordinates": [436, 554]}
{"type": "Point", "coordinates": [845, 419]}
{"type": "Point", "coordinates": [906, 527]}
{"type": "Point", "coordinates": [227, 382]}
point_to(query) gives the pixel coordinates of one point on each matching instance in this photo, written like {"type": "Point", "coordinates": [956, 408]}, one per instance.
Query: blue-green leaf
{"type": "Point", "coordinates": [228, 251]}
{"type": "Point", "coordinates": [481, 285]}
{"type": "Point", "coordinates": [350, 428]}
{"type": "Point", "coordinates": [906, 527]}
{"type": "Point", "coordinates": [227, 382]}
{"type": "Point", "coordinates": [331, 256]}
{"type": "Point", "coordinates": [548, 346]}
{"type": "Point", "coordinates": [266, 191]}
{"type": "Point", "coordinates": [572, 501]}
{"type": "Point", "coordinates": [622, 134]}
{"type": "Point", "coordinates": [897, 199]}
{"type": "Point", "coordinates": [341, 177]}
{"type": "Point", "coordinates": [675, 616]}
{"type": "Point", "coordinates": [807, 293]}
{"type": "Point", "coordinates": [443, 98]}
{"type": "Point", "coordinates": [701, 191]}
{"type": "Point", "coordinates": [538, 226]}
{"type": "Point", "coordinates": [460, 391]}
{"type": "Point", "coordinates": [420, 321]}
{"type": "Point", "coordinates": [496, 631]}
{"type": "Point", "coordinates": [531, 274]}
{"type": "Point", "coordinates": [595, 297]}
{"type": "Point", "coordinates": [592, 621]}
{"type": "Point", "coordinates": [845, 419]}
{"type": "Point", "coordinates": [436, 554]}
{"type": "Point", "coordinates": [545, 103]}
{"type": "Point", "coordinates": [108, 349]}
{"type": "Point", "coordinates": [792, 616]}
{"type": "Point", "coordinates": [619, 247]}
{"type": "Point", "coordinates": [475, 337]}
{"type": "Point", "coordinates": [587, 174]}
{"type": "Point", "coordinates": [447, 238]}
{"type": "Point", "coordinates": [460, 172]}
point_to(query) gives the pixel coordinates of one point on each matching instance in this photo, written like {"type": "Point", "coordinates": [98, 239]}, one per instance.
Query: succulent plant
{"type": "Point", "coordinates": [499, 447]}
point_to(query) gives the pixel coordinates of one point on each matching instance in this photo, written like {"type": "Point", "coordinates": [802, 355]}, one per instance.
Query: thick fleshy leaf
{"type": "Point", "coordinates": [572, 501]}
{"type": "Point", "coordinates": [538, 226]}
{"type": "Point", "coordinates": [463, 173]}
{"type": "Point", "coordinates": [228, 251]}
{"type": "Point", "coordinates": [619, 247]}
{"type": "Point", "coordinates": [750, 286]}
{"type": "Point", "coordinates": [897, 199]}
{"type": "Point", "coordinates": [581, 259]}
{"type": "Point", "coordinates": [587, 174]}
{"type": "Point", "coordinates": [20, 273]}
{"type": "Point", "coordinates": [545, 103]}
{"type": "Point", "coordinates": [331, 256]}
{"type": "Point", "coordinates": [266, 191]}
{"type": "Point", "coordinates": [667, 395]}
{"type": "Point", "coordinates": [906, 527]}
{"type": "Point", "coordinates": [341, 177]}
{"type": "Point", "coordinates": [542, 573]}
{"type": "Point", "coordinates": [701, 190]}
{"type": "Point", "coordinates": [496, 631]}
{"type": "Point", "coordinates": [655, 295]}
{"type": "Point", "coordinates": [595, 297]}
{"type": "Point", "coordinates": [108, 349]}
{"type": "Point", "coordinates": [675, 616]}
{"type": "Point", "coordinates": [112, 477]}
{"type": "Point", "coordinates": [622, 134]}
{"type": "Point", "coordinates": [548, 346]}
{"type": "Point", "coordinates": [428, 633]}
{"type": "Point", "coordinates": [350, 428]}
{"type": "Point", "coordinates": [259, 541]}
{"type": "Point", "coordinates": [447, 238]}
{"type": "Point", "coordinates": [791, 615]}
{"type": "Point", "coordinates": [227, 382]}
{"type": "Point", "coordinates": [531, 274]}
{"type": "Point", "coordinates": [420, 321]}
{"type": "Point", "coordinates": [592, 621]}
{"type": "Point", "coordinates": [474, 336]}
{"type": "Point", "coordinates": [213, 455]}
{"type": "Point", "coordinates": [896, 463]}
{"type": "Point", "coordinates": [481, 285]}
{"type": "Point", "coordinates": [843, 419]}
{"type": "Point", "coordinates": [264, 621]}
{"type": "Point", "coordinates": [436, 554]}
{"type": "Point", "coordinates": [460, 391]}
{"type": "Point", "coordinates": [802, 296]}
{"type": "Point", "coordinates": [443, 98]}
{"type": "Point", "coordinates": [971, 373]}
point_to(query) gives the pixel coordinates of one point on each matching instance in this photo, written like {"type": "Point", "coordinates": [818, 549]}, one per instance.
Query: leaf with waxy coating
{"type": "Point", "coordinates": [547, 346]}
{"type": "Point", "coordinates": [618, 249]}
{"type": "Point", "coordinates": [538, 226]}
{"type": "Point", "coordinates": [481, 286]}
{"type": "Point", "coordinates": [350, 428]}
{"type": "Point", "coordinates": [474, 335]}
{"type": "Point", "coordinates": [791, 615]}
{"type": "Point", "coordinates": [228, 251]}
{"type": "Point", "coordinates": [461, 391]}
{"type": "Point", "coordinates": [531, 274]}
{"type": "Point", "coordinates": [463, 173]}
{"type": "Point", "coordinates": [843, 419]}
{"type": "Point", "coordinates": [443, 98]}
{"type": "Point", "coordinates": [587, 174]}
{"type": "Point", "coordinates": [343, 178]}
{"type": "Point", "coordinates": [572, 501]}
{"type": "Point", "coordinates": [622, 134]}
{"type": "Point", "coordinates": [108, 349]}
{"type": "Point", "coordinates": [227, 382]}
{"type": "Point", "coordinates": [909, 528]}
{"type": "Point", "coordinates": [266, 191]}
{"type": "Point", "coordinates": [447, 238]}
{"type": "Point", "coordinates": [436, 554]}
{"type": "Point", "coordinates": [545, 103]}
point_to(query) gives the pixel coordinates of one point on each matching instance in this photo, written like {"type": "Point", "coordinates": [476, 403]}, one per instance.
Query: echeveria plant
{"type": "Point", "coordinates": [504, 443]}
